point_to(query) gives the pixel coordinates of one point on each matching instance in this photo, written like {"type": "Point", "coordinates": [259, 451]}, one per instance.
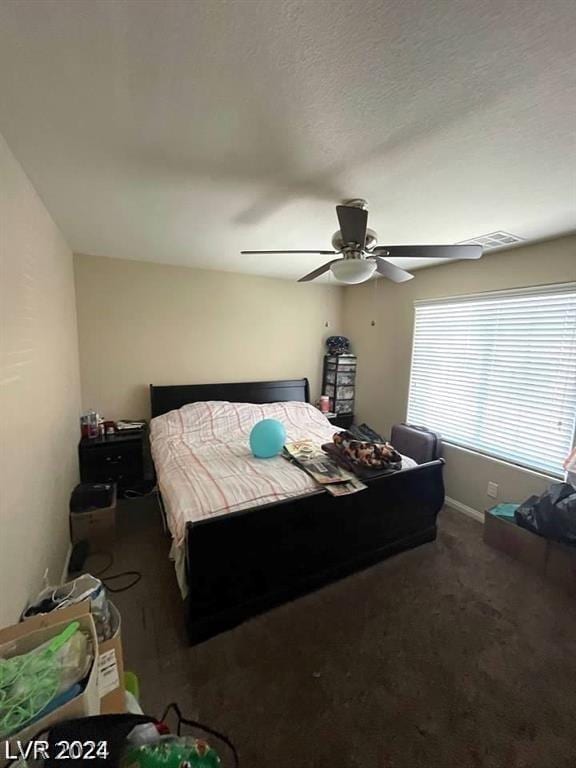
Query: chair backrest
{"type": "Point", "coordinates": [419, 443]}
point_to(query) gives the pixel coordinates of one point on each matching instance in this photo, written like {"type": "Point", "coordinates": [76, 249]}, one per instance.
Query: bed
{"type": "Point", "coordinates": [249, 534]}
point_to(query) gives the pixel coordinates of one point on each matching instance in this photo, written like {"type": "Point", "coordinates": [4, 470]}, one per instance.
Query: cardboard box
{"type": "Point", "coordinates": [554, 562]}
{"type": "Point", "coordinates": [96, 525]}
{"type": "Point", "coordinates": [561, 567]}
{"type": "Point", "coordinates": [111, 670]}
{"type": "Point", "coordinates": [111, 661]}
{"type": "Point", "coordinates": [26, 636]}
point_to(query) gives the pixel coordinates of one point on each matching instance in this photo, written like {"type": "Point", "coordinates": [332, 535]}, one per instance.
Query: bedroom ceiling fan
{"type": "Point", "coordinates": [359, 256]}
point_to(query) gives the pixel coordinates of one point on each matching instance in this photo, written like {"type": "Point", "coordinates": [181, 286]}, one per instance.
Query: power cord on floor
{"type": "Point", "coordinates": [137, 576]}
{"type": "Point", "coordinates": [173, 707]}
{"type": "Point", "coordinates": [132, 493]}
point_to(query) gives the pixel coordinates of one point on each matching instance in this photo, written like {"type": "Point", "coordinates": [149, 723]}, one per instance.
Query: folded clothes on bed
{"type": "Point", "coordinates": [364, 473]}
{"type": "Point", "coordinates": [366, 458]}
{"type": "Point", "coordinates": [368, 454]}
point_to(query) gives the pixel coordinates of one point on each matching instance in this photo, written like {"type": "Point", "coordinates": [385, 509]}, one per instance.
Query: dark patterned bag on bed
{"type": "Point", "coordinates": [367, 454]}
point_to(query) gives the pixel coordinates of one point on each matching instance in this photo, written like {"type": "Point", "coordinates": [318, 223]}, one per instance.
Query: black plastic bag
{"type": "Point", "coordinates": [552, 515]}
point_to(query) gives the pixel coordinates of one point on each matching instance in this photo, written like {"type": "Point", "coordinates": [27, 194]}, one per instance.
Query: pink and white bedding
{"type": "Point", "coordinates": [205, 467]}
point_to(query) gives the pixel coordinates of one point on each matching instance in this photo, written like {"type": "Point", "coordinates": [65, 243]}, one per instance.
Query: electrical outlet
{"type": "Point", "coordinates": [492, 490]}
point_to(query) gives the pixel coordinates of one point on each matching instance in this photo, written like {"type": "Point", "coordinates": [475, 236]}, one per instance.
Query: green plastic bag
{"type": "Point", "coordinates": [172, 752]}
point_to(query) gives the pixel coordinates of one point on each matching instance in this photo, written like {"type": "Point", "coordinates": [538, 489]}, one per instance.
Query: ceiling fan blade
{"type": "Point", "coordinates": [353, 223]}
{"type": "Point", "coordinates": [429, 251]}
{"type": "Point", "coordinates": [391, 271]}
{"type": "Point", "coordinates": [322, 253]}
{"type": "Point", "coordinates": [317, 272]}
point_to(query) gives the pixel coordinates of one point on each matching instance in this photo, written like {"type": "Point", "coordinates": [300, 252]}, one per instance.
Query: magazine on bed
{"type": "Point", "coordinates": [312, 459]}
{"type": "Point", "coordinates": [345, 489]}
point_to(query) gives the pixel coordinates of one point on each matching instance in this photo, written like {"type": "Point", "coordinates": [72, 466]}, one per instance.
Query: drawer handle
{"type": "Point", "coordinates": [114, 458]}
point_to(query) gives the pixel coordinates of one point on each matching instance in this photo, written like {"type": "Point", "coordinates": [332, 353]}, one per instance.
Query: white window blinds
{"type": "Point", "coordinates": [497, 373]}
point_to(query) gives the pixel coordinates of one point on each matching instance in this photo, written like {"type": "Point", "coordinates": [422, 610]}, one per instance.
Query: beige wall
{"type": "Point", "coordinates": [142, 323]}
{"type": "Point", "coordinates": [384, 349]}
{"type": "Point", "coordinates": [39, 391]}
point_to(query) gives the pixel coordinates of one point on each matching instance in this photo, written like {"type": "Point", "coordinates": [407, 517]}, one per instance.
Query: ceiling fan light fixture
{"type": "Point", "coordinates": [353, 271]}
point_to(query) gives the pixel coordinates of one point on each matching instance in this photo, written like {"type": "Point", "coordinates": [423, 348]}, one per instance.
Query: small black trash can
{"type": "Point", "coordinates": [93, 512]}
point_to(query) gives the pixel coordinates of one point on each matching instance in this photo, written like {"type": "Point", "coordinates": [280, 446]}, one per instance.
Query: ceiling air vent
{"type": "Point", "coordinates": [495, 240]}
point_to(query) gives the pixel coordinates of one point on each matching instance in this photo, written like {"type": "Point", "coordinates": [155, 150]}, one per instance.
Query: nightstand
{"type": "Point", "coordinates": [120, 458]}
{"type": "Point", "coordinates": [343, 420]}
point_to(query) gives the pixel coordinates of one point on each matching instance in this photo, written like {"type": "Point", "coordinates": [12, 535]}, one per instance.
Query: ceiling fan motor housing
{"type": "Point", "coordinates": [356, 202]}
{"type": "Point", "coordinates": [338, 243]}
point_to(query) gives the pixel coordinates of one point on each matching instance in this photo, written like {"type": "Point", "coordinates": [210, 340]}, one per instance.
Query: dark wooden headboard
{"type": "Point", "coordinates": [169, 398]}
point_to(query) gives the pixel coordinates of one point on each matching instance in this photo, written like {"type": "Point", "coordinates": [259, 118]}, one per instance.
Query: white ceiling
{"type": "Point", "coordinates": [185, 131]}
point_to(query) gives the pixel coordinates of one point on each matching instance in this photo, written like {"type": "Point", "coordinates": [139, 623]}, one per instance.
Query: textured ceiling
{"type": "Point", "coordinates": [183, 132]}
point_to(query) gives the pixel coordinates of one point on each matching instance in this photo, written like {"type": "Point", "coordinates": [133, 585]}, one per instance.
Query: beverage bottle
{"type": "Point", "coordinates": [92, 424]}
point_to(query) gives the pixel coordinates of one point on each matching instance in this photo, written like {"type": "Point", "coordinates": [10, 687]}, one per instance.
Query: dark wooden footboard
{"type": "Point", "coordinates": [243, 563]}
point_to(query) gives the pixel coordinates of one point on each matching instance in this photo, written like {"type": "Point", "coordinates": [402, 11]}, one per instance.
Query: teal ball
{"type": "Point", "coordinates": [267, 438]}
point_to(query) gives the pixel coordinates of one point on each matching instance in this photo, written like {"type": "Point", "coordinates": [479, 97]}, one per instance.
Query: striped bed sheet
{"type": "Point", "coordinates": [205, 467]}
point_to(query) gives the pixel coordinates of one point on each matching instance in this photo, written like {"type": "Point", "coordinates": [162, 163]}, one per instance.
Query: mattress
{"type": "Point", "coordinates": [205, 467]}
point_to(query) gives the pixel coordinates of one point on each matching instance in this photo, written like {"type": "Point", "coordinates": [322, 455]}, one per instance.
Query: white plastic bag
{"type": "Point", "coordinates": [86, 587]}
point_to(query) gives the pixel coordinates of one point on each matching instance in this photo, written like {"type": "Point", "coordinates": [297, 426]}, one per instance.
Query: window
{"type": "Point", "coordinates": [496, 373]}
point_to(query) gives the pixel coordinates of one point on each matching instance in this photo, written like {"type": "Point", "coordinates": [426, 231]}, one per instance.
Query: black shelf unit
{"type": "Point", "coordinates": [339, 383]}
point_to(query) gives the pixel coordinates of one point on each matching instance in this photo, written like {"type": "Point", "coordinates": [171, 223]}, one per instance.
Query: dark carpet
{"type": "Point", "coordinates": [451, 654]}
